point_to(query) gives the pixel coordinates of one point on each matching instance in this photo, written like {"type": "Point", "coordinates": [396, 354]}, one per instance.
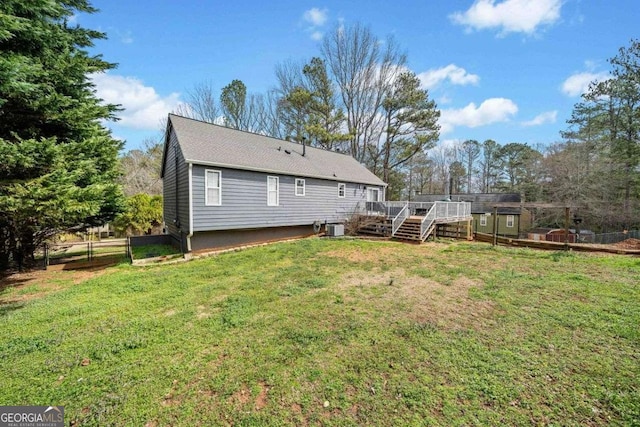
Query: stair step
{"type": "Point", "coordinates": [412, 226]}
{"type": "Point", "coordinates": [407, 236]}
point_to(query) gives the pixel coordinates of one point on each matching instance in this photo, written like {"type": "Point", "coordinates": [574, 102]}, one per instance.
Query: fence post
{"type": "Point", "coordinates": [46, 256]}
{"type": "Point", "coordinates": [566, 228]}
{"type": "Point", "coordinates": [89, 251]}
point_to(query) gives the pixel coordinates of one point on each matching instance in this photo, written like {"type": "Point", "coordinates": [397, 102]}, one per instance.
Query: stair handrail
{"type": "Point", "coordinates": [400, 218]}
{"type": "Point", "coordinates": [427, 221]}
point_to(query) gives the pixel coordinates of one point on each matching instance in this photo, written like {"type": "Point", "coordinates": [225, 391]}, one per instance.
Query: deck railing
{"type": "Point", "coordinates": [400, 218]}
{"type": "Point", "coordinates": [442, 209]}
{"type": "Point", "coordinates": [427, 221]}
{"type": "Point", "coordinates": [431, 212]}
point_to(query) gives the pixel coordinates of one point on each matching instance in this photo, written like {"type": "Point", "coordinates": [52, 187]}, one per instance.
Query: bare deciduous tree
{"type": "Point", "coordinates": [201, 104]}
{"type": "Point", "coordinates": [141, 169]}
{"type": "Point", "coordinates": [364, 69]}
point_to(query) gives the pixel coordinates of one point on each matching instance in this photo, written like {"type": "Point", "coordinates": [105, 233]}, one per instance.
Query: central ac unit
{"type": "Point", "coordinates": [335, 230]}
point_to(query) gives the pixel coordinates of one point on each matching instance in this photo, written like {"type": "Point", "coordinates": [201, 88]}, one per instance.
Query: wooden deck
{"type": "Point", "coordinates": [403, 222]}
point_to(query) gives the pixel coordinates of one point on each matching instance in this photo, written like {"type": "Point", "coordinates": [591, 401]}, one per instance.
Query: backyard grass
{"type": "Point", "coordinates": [332, 332]}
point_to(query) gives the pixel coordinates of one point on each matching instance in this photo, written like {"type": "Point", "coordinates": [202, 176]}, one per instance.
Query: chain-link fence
{"type": "Point", "coordinates": [100, 252]}
{"type": "Point", "coordinates": [610, 238]}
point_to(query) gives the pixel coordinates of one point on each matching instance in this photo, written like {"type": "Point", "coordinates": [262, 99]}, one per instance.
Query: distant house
{"type": "Point", "coordinates": [511, 221]}
{"type": "Point", "coordinates": [225, 187]}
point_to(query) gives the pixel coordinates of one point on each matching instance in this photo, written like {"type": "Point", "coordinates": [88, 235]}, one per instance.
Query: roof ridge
{"type": "Point", "coordinates": [259, 134]}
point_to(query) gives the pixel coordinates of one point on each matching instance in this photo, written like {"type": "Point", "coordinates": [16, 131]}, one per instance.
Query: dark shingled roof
{"type": "Point", "coordinates": [212, 145]}
{"type": "Point", "coordinates": [480, 202]}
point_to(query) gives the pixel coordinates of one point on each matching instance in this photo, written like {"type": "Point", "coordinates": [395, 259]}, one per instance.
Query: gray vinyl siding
{"type": "Point", "coordinates": [244, 201]}
{"type": "Point", "coordinates": [169, 189]}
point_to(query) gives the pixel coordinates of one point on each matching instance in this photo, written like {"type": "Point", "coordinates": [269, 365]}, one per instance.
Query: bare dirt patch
{"type": "Point", "coordinates": [423, 300]}
{"type": "Point", "coordinates": [628, 244]}
{"type": "Point", "coordinates": [261, 399]}
{"type": "Point", "coordinates": [202, 312]}
{"type": "Point", "coordinates": [37, 284]}
{"type": "Point", "coordinates": [242, 396]}
{"type": "Point", "coordinates": [364, 255]}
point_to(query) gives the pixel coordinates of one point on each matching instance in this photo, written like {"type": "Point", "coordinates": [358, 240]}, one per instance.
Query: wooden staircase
{"type": "Point", "coordinates": [409, 230]}
{"type": "Point", "coordinates": [381, 220]}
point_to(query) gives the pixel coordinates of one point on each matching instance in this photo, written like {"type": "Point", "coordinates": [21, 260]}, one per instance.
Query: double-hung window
{"type": "Point", "coordinates": [299, 187]}
{"type": "Point", "coordinates": [342, 190]}
{"type": "Point", "coordinates": [483, 220]}
{"type": "Point", "coordinates": [273, 191]}
{"type": "Point", "coordinates": [213, 187]}
{"type": "Point", "coordinates": [510, 221]}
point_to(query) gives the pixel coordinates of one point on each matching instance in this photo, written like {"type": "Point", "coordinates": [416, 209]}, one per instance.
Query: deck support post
{"type": "Point", "coordinates": [469, 235]}
{"type": "Point", "coordinates": [495, 225]}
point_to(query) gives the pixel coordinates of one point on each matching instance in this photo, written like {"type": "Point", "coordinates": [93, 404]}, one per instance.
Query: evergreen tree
{"type": "Point", "coordinates": [410, 125]}
{"type": "Point", "coordinates": [59, 166]}
{"type": "Point", "coordinates": [233, 101]}
{"type": "Point", "coordinates": [308, 107]}
{"type": "Point", "coordinates": [604, 135]}
{"type": "Point", "coordinates": [470, 151]}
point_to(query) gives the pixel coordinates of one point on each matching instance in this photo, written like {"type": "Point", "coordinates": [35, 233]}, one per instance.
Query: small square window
{"type": "Point", "coordinates": [342, 190]}
{"type": "Point", "coordinates": [299, 187]}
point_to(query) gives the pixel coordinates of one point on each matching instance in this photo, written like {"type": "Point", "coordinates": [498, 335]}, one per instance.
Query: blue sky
{"type": "Point", "coordinates": [508, 70]}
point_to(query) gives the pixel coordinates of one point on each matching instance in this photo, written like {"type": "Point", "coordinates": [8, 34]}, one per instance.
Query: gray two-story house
{"type": "Point", "coordinates": [224, 187]}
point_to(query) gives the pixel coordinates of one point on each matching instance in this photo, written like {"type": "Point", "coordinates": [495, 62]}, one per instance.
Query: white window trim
{"type": "Point", "coordinates": [303, 187]}
{"type": "Point", "coordinates": [483, 220]}
{"type": "Point", "coordinates": [511, 220]}
{"type": "Point", "coordinates": [372, 190]}
{"type": "Point", "coordinates": [207, 202]}
{"type": "Point", "coordinates": [277, 190]}
{"type": "Point", "coordinates": [344, 193]}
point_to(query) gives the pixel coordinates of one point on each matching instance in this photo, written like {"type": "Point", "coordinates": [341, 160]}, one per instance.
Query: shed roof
{"type": "Point", "coordinates": [213, 145]}
{"type": "Point", "coordinates": [480, 202]}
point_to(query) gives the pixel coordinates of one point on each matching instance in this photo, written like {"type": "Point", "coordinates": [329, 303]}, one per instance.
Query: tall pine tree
{"type": "Point", "coordinates": [59, 166]}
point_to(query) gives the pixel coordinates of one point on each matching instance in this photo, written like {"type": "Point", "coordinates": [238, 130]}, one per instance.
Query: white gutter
{"type": "Point", "coordinates": [190, 208]}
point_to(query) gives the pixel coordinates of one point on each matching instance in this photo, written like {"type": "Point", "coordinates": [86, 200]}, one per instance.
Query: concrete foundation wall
{"type": "Point", "coordinates": [155, 239]}
{"type": "Point", "coordinates": [208, 240]}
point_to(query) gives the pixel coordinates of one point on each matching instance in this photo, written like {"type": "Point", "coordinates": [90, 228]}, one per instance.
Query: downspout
{"type": "Point", "coordinates": [190, 208]}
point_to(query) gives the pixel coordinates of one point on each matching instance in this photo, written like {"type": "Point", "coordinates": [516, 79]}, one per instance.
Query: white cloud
{"type": "Point", "coordinates": [542, 118]}
{"type": "Point", "coordinates": [578, 83]}
{"type": "Point", "coordinates": [456, 75]}
{"type": "Point", "coordinates": [444, 100]}
{"type": "Point", "coordinates": [316, 17]}
{"type": "Point", "coordinates": [126, 37]}
{"type": "Point", "coordinates": [510, 16]}
{"type": "Point", "coordinates": [143, 107]}
{"type": "Point", "coordinates": [492, 110]}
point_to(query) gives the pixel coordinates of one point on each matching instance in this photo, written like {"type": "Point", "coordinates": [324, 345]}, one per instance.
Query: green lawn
{"type": "Point", "coordinates": [333, 332]}
{"type": "Point", "coordinates": [151, 251]}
